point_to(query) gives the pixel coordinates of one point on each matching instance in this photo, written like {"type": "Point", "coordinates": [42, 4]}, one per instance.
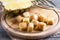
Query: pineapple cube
{"type": "Point", "coordinates": [23, 26]}
{"type": "Point", "coordinates": [42, 18]}
{"type": "Point", "coordinates": [40, 27]}
{"type": "Point", "coordinates": [19, 18]}
{"type": "Point", "coordinates": [26, 20]}
{"type": "Point", "coordinates": [30, 27]}
{"type": "Point", "coordinates": [35, 22]}
{"type": "Point", "coordinates": [26, 14]}
{"type": "Point", "coordinates": [34, 16]}
{"type": "Point", "coordinates": [50, 22]}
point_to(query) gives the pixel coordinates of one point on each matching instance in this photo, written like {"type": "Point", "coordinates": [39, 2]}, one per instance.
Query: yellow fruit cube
{"type": "Point", "coordinates": [50, 22]}
{"type": "Point", "coordinates": [30, 27]}
{"type": "Point", "coordinates": [40, 27]}
{"type": "Point", "coordinates": [35, 22]}
{"type": "Point", "coordinates": [42, 18]}
{"type": "Point", "coordinates": [26, 14]}
{"type": "Point", "coordinates": [26, 20]}
{"type": "Point", "coordinates": [23, 26]}
{"type": "Point", "coordinates": [19, 18]}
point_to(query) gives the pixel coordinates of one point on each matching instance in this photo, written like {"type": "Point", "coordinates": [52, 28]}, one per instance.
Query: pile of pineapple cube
{"type": "Point", "coordinates": [33, 22]}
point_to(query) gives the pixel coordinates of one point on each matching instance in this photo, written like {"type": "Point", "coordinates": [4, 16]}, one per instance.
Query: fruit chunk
{"type": "Point", "coordinates": [34, 16]}
{"type": "Point", "coordinates": [19, 18]}
{"type": "Point", "coordinates": [40, 27]}
{"type": "Point", "coordinates": [42, 18]}
{"type": "Point", "coordinates": [26, 14]}
{"type": "Point", "coordinates": [23, 26]}
{"type": "Point", "coordinates": [30, 27]}
{"type": "Point", "coordinates": [26, 20]}
{"type": "Point", "coordinates": [50, 22]}
{"type": "Point", "coordinates": [35, 22]}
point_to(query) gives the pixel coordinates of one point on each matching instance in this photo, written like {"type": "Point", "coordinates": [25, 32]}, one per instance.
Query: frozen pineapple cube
{"type": "Point", "coordinates": [30, 27]}
{"type": "Point", "coordinates": [26, 20]}
{"type": "Point", "coordinates": [41, 26]}
{"type": "Point", "coordinates": [19, 18]}
{"type": "Point", "coordinates": [26, 14]}
{"type": "Point", "coordinates": [23, 26]}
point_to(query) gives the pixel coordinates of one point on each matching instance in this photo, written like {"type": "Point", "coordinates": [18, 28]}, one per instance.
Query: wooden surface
{"type": "Point", "coordinates": [4, 36]}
